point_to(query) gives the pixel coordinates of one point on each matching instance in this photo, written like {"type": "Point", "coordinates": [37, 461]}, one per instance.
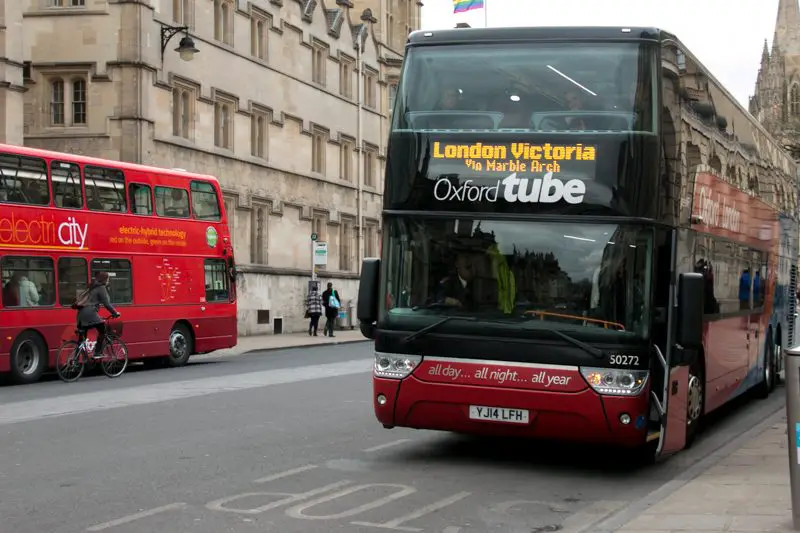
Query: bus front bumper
{"type": "Point", "coordinates": [583, 416]}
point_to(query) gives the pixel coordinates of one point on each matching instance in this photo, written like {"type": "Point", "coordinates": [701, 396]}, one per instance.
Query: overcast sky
{"type": "Point", "coordinates": [726, 35]}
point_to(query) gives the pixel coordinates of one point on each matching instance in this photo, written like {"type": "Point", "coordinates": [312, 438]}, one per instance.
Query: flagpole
{"type": "Point", "coordinates": [485, 13]}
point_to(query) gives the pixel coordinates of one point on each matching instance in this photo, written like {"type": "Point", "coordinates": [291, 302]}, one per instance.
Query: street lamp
{"type": "Point", "coordinates": [185, 49]}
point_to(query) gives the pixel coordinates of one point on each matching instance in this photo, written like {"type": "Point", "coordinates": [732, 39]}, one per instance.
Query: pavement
{"type": "Point", "coordinates": [744, 491]}
{"type": "Point", "coordinates": [286, 441]}
{"type": "Point", "coordinates": [263, 343]}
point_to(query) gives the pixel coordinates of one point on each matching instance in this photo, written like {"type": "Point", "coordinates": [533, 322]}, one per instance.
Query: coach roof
{"type": "Point", "coordinates": [544, 33]}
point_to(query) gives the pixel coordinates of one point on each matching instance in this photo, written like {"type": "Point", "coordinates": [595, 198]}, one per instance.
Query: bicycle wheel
{"type": "Point", "coordinates": [115, 357]}
{"type": "Point", "coordinates": [69, 363]}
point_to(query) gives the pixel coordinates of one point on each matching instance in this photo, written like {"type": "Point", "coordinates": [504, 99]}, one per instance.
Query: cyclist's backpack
{"type": "Point", "coordinates": [82, 300]}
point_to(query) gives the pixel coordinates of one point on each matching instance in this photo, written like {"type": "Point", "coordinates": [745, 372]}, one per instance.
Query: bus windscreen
{"type": "Point", "coordinates": [591, 278]}
{"type": "Point", "coordinates": [539, 86]}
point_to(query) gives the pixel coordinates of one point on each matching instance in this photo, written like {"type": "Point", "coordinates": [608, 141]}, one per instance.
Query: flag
{"type": "Point", "coordinates": [462, 6]}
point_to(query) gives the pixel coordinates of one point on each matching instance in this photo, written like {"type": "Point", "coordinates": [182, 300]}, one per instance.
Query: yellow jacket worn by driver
{"type": "Point", "coordinates": [506, 284]}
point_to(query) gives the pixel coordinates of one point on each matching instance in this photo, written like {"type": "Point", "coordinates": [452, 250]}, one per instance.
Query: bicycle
{"type": "Point", "coordinates": [77, 354]}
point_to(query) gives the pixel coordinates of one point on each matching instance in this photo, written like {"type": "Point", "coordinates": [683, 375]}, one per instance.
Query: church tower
{"type": "Point", "coordinates": [776, 102]}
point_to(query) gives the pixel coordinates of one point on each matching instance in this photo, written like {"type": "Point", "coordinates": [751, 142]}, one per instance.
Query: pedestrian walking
{"type": "Point", "coordinates": [313, 310]}
{"type": "Point", "coordinates": [332, 302]}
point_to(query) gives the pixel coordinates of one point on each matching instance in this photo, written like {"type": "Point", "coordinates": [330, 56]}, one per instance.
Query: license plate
{"type": "Point", "coordinates": [498, 414]}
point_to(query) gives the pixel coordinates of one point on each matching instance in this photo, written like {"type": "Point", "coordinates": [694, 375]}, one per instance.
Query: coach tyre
{"type": "Point", "coordinates": [180, 345]}
{"type": "Point", "coordinates": [28, 358]}
{"type": "Point", "coordinates": [767, 384]}
{"type": "Point", "coordinates": [695, 399]}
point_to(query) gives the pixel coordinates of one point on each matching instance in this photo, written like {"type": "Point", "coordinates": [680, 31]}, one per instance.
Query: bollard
{"type": "Point", "coordinates": [792, 381]}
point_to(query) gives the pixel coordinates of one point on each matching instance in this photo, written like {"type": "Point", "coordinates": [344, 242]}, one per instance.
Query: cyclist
{"type": "Point", "coordinates": [88, 304]}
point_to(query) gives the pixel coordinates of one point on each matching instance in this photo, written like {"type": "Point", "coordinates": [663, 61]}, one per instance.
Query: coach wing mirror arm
{"type": "Point", "coordinates": [689, 330]}
{"type": "Point", "coordinates": [368, 296]}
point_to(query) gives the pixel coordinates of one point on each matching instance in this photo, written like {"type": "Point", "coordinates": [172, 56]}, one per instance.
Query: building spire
{"type": "Point", "coordinates": [765, 54]}
{"type": "Point", "coordinates": [787, 28]}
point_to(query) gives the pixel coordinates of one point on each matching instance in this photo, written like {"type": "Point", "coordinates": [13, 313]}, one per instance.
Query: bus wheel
{"type": "Point", "coordinates": [180, 345]}
{"type": "Point", "coordinates": [28, 358]}
{"type": "Point", "coordinates": [767, 383]}
{"type": "Point", "coordinates": [695, 398]}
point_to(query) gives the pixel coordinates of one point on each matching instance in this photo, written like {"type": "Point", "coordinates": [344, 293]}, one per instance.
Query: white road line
{"type": "Point", "coordinates": [288, 473]}
{"type": "Point", "coordinates": [24, 411]}
{"type": "Point", "coordinates": [585, 518]}
{"type": "Point", "coordinates": [136, 516]}
{"type": "Point", "coordinates": [386, 445]}
{"type": "Point", "coordinates": [451, 529]}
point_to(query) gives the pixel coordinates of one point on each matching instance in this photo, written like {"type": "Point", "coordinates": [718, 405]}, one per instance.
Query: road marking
{"type": "Point", "coordinates": [298, 510]}
{"type": "Point", "coordinates": [219, 505]}
{"type": "Point", "coordinates": [386, 445]}
{"type": "Point", "coordinates": [422, 511]}
{"type": "Point", "coordinates": [136, 516]}
{"type": "Point", "coordinates": [288, 473]}
{"type": "Point", "coordinates": [588, 516]}
{"type": "Point", "coordinates": [28, 410]}
{"type": "Point", "coordinates": [451, 529]}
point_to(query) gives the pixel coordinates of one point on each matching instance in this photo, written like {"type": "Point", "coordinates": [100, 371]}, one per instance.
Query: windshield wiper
{"type": "Point", "coordinates": [588, 348]}
{"type": "Point", "coordinates": [428, 329]}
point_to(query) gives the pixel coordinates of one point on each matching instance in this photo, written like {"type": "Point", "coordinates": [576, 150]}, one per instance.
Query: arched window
{"type": "Point", "coordinates": [57, 102]}
{"type": "Point", "coordinates": [794, 100]}
{"type": "Point", "coordinates": [79, 101]}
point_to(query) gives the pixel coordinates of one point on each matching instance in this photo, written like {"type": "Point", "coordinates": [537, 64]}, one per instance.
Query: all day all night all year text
{"type": "Point", "coordinates": [524, 157]}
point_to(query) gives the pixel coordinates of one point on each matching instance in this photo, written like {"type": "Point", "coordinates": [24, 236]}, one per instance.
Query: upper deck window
{"type": "Point", "coordinates": [66, 178]}
{"type": "Point", "coordinates": [205, 203]}
{"type": "Point", "coordinates": [172, 202]}
{"type": "Point", "coordinates": [23, 180]}
{"type": "Point", "coordinates": [584, 86]}
{"type": "Point", "coordinates": [105, 189]}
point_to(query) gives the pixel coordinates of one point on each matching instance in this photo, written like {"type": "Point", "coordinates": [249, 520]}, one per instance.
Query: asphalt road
{"type": "Point", "coordinates": [287, 442]}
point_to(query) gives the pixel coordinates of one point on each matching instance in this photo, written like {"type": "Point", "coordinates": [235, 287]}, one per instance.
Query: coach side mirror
{"type": "Point", "coordinates": [691, 290]}
{"type": "Point", "coordinates": [368, 291]}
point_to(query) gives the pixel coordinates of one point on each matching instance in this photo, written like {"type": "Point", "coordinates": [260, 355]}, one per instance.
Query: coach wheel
{"type": "Point", "coordinates": [28, 358]}
{"type": "Point", "coordinates": [695, 398]}
{"type": "Point", "coordinates": [180, 345]}
{"type": "Point", "coordinates": [767, 384]}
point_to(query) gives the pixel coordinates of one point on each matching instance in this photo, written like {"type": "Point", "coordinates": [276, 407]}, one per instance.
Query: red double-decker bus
{"type": "Point", "coordinates": [162, 236]}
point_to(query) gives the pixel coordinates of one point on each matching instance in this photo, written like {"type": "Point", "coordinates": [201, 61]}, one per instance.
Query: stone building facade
{"type": "Point", "coordinates": [269, 104]}
{"type": "Point", "coordinates": [776, 101]}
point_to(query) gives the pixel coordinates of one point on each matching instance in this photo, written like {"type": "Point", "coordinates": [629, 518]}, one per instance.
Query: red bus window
{"type": "Point", "coordinates": [216, 280]}
{"type": "Point", "coordinates": [67, 190]}
{"type": "Point", "coordinates": [105, 189]}
{"type": "Point", "coordinates": [27, 281]}
{"type": "Point", "coordinates": [141, 199]}
{"type": "Point", "coordinates": [172, 202]}
{"type": "Point", "coordinates": [73, 278]}
{"type": "Point", "coordinates": [120, 288]}
{"type": "Point", "coordinates": [205, 204]}
{"type": "Point", "coordinates": [23, 180]}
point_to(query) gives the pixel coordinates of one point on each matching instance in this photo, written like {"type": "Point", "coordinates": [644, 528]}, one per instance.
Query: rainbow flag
{"type": "Point", "coordinates": [462, 6]}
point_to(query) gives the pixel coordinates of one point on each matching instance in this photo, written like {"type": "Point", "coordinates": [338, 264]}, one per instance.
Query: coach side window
{"type": "Point", "coordinates": [120, 287]}
{"type": "Point", "coordinates": [73, 278]}
{"type": "Point", "coordinates": [141, 200]}
{"type": "Point", "coordinates": [216, 281]}
{"type": "Point", "coordinates": [105, 189]}
{"type": "Point", "coordinates": [66, 178]}
{"type": "Point", "coordinates": [23, 180]}
{"type": "Point", "coordinates": [172, 202]}
{"type": "Point", "coordinates": [27, 281]}
{"type": "Point", "coordinates": [205, 204]}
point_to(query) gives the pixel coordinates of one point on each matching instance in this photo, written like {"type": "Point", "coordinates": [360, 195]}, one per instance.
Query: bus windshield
{"type": "Point", "coordinates": [586, 86]}
{"type": "Point", "coordinates": [562, 275]}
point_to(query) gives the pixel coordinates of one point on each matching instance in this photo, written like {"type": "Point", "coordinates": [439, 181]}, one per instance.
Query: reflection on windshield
{"type": "Point", "coordinates": [597, 87]}
{"type": "Point", "coordinates": [578, 275]}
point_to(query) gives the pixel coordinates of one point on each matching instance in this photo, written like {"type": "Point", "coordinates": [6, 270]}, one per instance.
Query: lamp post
{"type": "Point", "coordinates": [186, 48]}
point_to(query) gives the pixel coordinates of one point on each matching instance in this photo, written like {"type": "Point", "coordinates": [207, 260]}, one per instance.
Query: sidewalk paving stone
{"type": "Point", "coordinates": [259, 343]}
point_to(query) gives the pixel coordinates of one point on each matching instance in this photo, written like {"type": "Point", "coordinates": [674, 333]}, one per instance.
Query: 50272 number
{"type": "Point", "coordinates": [624, 360]}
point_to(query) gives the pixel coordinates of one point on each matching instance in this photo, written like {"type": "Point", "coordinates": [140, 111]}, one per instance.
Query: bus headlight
{"type": "Point", "coordinates": [615, 381]}
{"type": "Point", "coordinates": [395, 365]}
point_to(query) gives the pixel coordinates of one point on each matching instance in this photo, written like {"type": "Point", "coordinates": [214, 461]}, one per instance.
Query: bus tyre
{"type": "Point", "coordinates": [29, 358]}
{"type": "Point", "coordinates": [695, 400]}
{"type": "Point", "coordinates": [180, 345]}
{"type": "Point", "coordinates": [767, 383]}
